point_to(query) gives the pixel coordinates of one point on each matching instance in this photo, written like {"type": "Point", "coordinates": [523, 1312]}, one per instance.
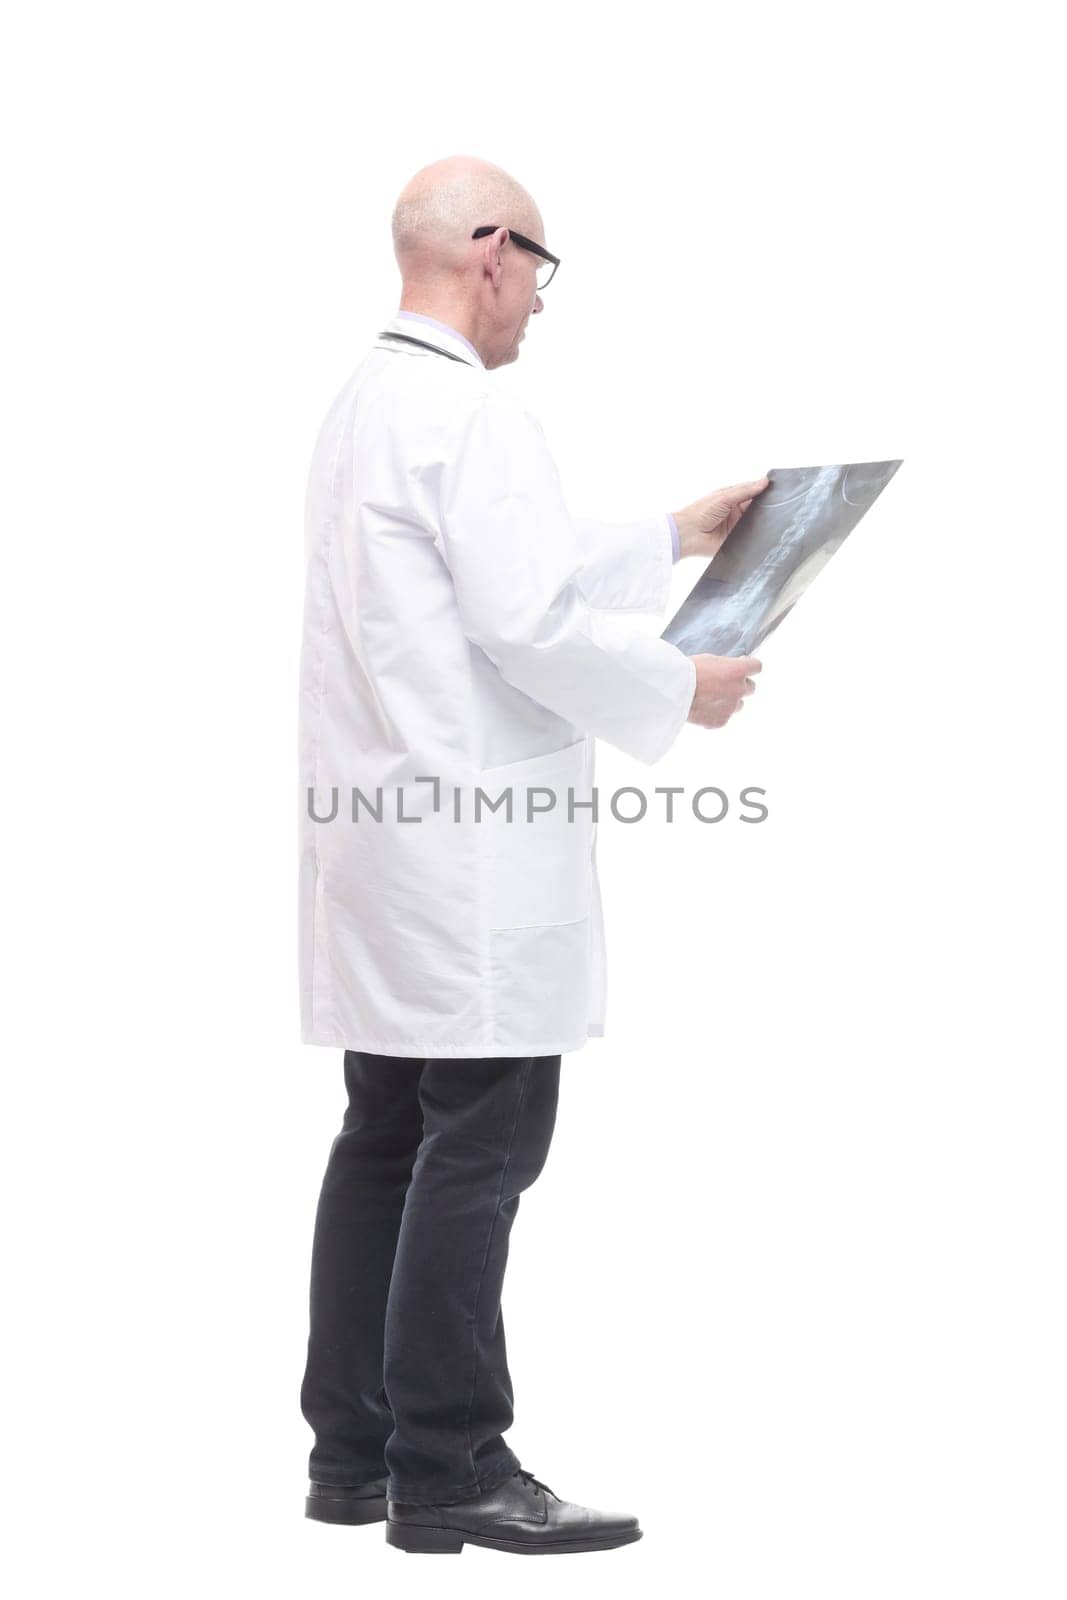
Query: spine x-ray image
{"type": "Point", "coordinates": [784, 539]}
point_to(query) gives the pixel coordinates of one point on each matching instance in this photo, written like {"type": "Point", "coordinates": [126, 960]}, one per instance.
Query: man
{"type": "Point", "coordinates": [465, 640]}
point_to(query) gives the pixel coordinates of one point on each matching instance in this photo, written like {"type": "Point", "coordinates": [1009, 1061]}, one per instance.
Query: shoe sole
{"type": "Point", "coordinates": [350, 1513]}
{"type": "Point", "coordinates": [426, 1540]}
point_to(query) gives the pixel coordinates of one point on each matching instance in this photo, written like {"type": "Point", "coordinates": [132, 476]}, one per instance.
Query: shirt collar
{"type": "Point", "coordinates": [419, 326]}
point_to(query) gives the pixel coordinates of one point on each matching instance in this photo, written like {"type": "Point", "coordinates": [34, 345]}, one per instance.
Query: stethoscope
{"type": "Point", "coordinates": [410, 339]}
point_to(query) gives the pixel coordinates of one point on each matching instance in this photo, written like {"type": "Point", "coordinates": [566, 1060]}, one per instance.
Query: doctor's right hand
{"type": "Point", "coordinates": [721, 687]}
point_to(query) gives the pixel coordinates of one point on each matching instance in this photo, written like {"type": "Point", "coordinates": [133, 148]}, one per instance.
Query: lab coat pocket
{"type": "Point", "coordinates": [537, 843]}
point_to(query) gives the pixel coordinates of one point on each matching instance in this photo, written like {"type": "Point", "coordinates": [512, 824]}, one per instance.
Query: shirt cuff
{"type": "Point", "coordinates": [676, 543]}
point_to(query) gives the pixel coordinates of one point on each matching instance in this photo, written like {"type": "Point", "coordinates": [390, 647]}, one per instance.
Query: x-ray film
{"type": "Point", "coordinates": [782, 541]}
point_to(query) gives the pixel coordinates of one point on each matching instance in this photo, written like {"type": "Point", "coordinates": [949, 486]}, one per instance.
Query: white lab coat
{"type": "Point", "coordinates": [461, 626]}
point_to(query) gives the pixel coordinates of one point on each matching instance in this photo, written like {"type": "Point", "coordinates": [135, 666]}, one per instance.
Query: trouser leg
{"type": "Point", "coordinates": [356, 1226]}
{"type": "Point", "coordinates": [487, 1126]}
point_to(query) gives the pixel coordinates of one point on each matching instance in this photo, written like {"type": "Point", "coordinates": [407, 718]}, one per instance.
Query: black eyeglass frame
{"type": "Point", "coordinates": [525, 244]}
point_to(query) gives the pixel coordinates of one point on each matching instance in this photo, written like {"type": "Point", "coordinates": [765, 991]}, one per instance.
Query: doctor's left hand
{"type": "Point", "coordinates": [703, 526]}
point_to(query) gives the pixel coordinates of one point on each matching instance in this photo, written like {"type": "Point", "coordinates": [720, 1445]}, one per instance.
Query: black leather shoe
{"type": "Point", "coordinates": [330, 1502]}
{"type": "Point", "coordinates": [521, 1514]}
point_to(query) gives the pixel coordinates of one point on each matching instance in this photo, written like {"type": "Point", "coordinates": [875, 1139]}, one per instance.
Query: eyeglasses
{"type": "Point", "coordinates": [545, 273]}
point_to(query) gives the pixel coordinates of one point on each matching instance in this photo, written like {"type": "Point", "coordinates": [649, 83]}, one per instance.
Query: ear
{"type": "Point", "coordinates": [496, 242]}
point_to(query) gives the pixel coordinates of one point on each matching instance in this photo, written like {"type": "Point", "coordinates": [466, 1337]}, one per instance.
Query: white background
{"type": "Point", "coordinates": [791, 1286]}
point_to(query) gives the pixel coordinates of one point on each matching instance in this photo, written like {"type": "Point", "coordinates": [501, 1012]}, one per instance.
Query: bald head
{"type": "Point", "coordinates": [484, 288]}
{"type": "Point", "coordinates": [440, 207]}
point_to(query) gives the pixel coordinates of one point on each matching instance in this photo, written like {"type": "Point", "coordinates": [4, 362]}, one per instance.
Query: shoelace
{"type": "Point", "coordinates": [528, 1477]}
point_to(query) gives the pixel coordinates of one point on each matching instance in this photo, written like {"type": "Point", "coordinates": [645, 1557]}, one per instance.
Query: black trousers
{"type": "Point", "coordinates": [407, 1370]}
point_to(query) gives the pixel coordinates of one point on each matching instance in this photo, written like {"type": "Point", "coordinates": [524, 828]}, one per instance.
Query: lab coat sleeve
{"type": "Point", "coordinates": [626, 566]}
{"type": "Point", "coordinates": [516, 560]}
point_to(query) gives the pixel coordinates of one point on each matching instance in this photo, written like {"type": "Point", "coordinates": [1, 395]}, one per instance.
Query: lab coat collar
{"type": "Point", "coordinates": [419, 326]}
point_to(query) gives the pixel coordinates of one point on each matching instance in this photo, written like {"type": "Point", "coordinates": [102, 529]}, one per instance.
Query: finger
{"type": "Point", "coordinates": [744, 491]}
{"type": "Point", "coordinates": [748, 665]}
{"type": "Point", "coordinates": [748, 686]}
